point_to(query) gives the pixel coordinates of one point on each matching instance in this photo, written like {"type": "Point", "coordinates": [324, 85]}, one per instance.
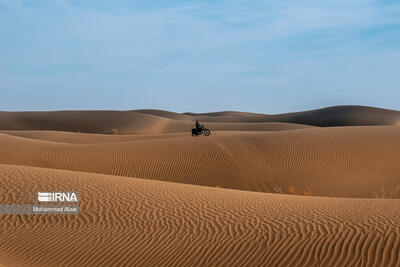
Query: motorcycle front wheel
{"type": "Point", "coordinates": [206, 132]}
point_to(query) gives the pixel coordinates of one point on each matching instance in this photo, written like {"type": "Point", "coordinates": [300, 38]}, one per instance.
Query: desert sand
{"type": "Point", "coordinates": [267, 190]}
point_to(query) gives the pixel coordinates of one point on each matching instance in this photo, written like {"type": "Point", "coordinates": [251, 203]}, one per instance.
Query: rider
{"type": "Point", "coordinates": [198, 126]}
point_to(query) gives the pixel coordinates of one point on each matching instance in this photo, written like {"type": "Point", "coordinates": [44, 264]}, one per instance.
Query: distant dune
{"type": "Point", "coordinates": [331, 116]}
{"type": "Point", "coordinates": [342, 116]}
{"type": "Point", "coordinates": [158, 121]}
{"type": "Point", "coordinates": [128, 221]}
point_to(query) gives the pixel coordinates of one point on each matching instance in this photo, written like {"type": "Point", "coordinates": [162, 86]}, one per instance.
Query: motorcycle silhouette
{"type": "Point", "coordinates": [201, 130]}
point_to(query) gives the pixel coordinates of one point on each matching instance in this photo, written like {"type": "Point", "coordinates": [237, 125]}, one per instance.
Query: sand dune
{"type": "Point", "coordinates": [338, 161]}
{"type": "Point", "coordinates": [85, 121]}
{"type": "Point", "coordinates": [224, 114]}
{"type": "Point", "coordinates": [153, 195]}
{"type": "Point", "coordinates": [165, 114]}
{"type": "Point", "coordinates": [125, 122]}
{"type": "Point", "coordinates": [342, 116]}
{"type": "Point", "coordinates": [87, 138]}
{"type": "Point", "coordinates": [158, 121]}
{"type": "Point", "coordinates": [128, 221]}
{"type": "Point", "coordinates": [330, 116]}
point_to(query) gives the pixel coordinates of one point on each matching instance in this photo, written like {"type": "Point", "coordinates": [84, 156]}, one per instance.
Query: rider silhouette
{"type": "Point", "coordinates": [198, 126]}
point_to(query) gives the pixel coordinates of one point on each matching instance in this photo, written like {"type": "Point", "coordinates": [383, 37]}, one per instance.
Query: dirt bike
{"type": "Point", "coordinates": [201, 130]}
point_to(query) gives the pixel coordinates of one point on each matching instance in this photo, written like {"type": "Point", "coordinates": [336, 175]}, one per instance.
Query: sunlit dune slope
{"type": "Point", "coordinates": [339, 161]}
{"type": "Point", "coordinates": [129, 221]}
{"type": "Point", "coordinates": [88, 138]}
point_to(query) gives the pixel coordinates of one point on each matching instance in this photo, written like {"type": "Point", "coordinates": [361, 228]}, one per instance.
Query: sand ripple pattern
{"type": "Point", "coordinates": [339, 161]}
{"type": "Point", "coordinates": [129, 221]}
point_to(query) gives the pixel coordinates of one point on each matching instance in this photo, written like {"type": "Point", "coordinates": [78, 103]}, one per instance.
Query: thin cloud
{"type": "Point", "coordinates": [209, 46]}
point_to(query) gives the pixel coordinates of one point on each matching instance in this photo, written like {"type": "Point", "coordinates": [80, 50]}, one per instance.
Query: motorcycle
{"type": "Point", "coordinates": [201, 130]}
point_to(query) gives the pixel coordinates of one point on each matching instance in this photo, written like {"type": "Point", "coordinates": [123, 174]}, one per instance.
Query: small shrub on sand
{"type": "Point", "coordinates": [278, 190]}
{"type": "Point", "coordinates": [307, 191]}
{"type": "Point", "coordinates": [114, 131]}
{"type": "Point", "coordinates": [292, 190]}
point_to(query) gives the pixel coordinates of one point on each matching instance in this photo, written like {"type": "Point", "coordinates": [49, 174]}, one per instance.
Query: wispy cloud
{"type": "Point", "coordinates": [196, 48]}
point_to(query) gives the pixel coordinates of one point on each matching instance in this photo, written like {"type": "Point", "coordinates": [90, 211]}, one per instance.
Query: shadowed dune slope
{"type": "Point", "coordinates": [165, 114]}
{"type": "Point", "coordinates": [85, 121]}
{"type": "Point", "coordinates": [226, 114]}
{"type": "Point", "coordinates": [330, 116]}
{"type": "Point", "coordinates": [126, 122]}
{"type": "Point", "coordinates": [87, 138]}
{"type": "Point", "coordinates": [129, 221]}
{"type": "Point", "coordinates": [342, 116]}
{"type": "Point", "coordinates": [338, 161]}
{"type": "Point", "coordinates": [158, 121]}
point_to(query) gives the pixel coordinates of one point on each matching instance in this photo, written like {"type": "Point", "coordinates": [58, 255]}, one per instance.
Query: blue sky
{"type": "Point", "coordinates": [260, 56]}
